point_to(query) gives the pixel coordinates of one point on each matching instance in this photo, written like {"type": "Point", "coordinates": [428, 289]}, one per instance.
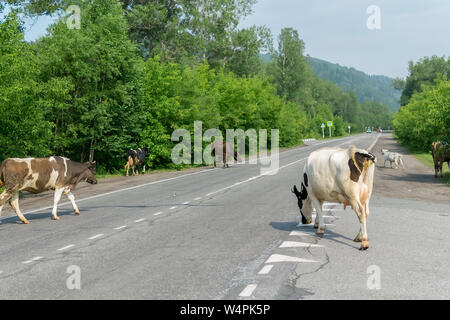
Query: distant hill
{"type": "Point", "coordinates": [366, 87]}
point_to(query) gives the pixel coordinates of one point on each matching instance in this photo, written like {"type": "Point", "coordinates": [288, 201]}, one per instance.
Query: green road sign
{"type": "Point", "coordinates": [330, 123]}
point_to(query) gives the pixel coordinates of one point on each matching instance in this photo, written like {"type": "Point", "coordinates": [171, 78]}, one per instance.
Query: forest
{"type": "Point", "coordinates": [366, 87]}
{"type": "Point", "coordinates": [424, 116]}
{"type": "Point", "coordinates": [137, 70]}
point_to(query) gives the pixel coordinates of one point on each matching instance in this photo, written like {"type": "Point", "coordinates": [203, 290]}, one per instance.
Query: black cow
{"type": "Point", "coordinates": [136, 157]}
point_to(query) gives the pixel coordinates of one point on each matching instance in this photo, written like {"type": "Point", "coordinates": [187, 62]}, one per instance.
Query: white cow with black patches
{"type": "Point", "coordinates": [337, 175]}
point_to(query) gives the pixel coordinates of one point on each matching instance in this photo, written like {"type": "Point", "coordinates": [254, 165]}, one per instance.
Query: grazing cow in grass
{"type": "Point", "coordinates": [392, 157]}
{"type": "Point", "coordinates": [36, 175]}
{"type": "Point", "coordinates": [224, 150]}
{"type": "Point", "coordinates": [441, 154]}
{"type": "Point", "coordinates": [136, 157]}
{"type": "Point", "coordinates": [337, 175]}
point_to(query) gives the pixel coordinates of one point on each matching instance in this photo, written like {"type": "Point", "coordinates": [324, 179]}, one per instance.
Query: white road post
{"type": "Point", "coordinates": [323, 130]}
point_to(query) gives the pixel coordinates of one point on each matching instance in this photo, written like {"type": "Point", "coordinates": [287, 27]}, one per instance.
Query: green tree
{"type": "Point", "coordinates": [96, 112]}
{"type": "Point", "coordinates": [24, 131]}
{"type": "Point", "coordinates": [424, 72]}
{"type": "Point", "coordinates": [289, 67]}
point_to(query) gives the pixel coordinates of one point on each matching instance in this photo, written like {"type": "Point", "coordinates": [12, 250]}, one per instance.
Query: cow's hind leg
{"type": "Point", "coordinates": [15, 205]}
{"type": "Point", "coordinates": [72, 200]}
{"type": "Point", "coordinates": [58, 194]}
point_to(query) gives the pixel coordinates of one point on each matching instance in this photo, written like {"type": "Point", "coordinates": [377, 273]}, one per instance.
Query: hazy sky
{"type": "Point", "coordinates": [336, 30]}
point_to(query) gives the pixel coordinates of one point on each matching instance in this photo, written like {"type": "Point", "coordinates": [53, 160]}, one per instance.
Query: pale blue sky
{"type": "Point", "coordinates": [336, 31]}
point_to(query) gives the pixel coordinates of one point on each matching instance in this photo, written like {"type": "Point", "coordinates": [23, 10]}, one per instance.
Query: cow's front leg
{"type": "Point", "coordinates": [15, 205]}
{"type": "Point", "coordinates": [72, 200]}
{"type": "Point", "coordinates": [362, 216]}
{"type": "Point", "coordinates": [58, 194]}
{"type": "Point", "coordinates": [319, 216]}
{"type": "Point", "coordinates": [316, 221]}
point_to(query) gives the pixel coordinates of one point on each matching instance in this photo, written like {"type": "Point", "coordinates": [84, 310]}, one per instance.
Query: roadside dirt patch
{"type": "Point", "coordinates": [415, 181]}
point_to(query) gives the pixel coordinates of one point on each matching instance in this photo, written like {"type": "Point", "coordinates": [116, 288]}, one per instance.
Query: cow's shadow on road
{"type": "Point", "coordinates": [290, 226]}
{"type": "Point", "coordinates": [13, 219]}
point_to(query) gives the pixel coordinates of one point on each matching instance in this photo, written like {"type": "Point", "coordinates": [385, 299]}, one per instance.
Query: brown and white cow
{"type": "Point", "coordinates": [440, 155]}
{"type": "Point", "coordinates": [224, 150]}
{"type": "Point", "coordinates": [337, 175]}
{"type": "Point", "coordinates": [36, 175]}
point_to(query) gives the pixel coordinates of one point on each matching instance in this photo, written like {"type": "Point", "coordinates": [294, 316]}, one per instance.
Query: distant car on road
{"type": "Point", "coordinates": [369, 131]}
{"type": "Point", "coordinates": [379, 130]}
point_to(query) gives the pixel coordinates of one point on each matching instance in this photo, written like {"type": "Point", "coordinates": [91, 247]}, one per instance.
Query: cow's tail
{"type": "Point", "coordinates": [2, 167]}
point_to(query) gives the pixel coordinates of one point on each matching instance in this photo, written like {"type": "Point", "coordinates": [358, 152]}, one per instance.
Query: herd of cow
{"type": "Point", "coordinates": [330, 174]}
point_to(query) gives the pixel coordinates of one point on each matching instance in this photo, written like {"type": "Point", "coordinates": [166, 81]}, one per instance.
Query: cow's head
{"type": "Point", "coordinates": [89, 173]}
{"type": "Point", "coordinates": [304, 204]}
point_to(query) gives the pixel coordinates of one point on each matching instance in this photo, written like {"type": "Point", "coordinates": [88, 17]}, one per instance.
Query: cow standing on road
{"type": "Point", "coordinates": [440, 154]}
{"type": "Point", "coordinates": [223, 150]}
{"type": "Point", "coordinates": [392, 157]}
{"type": "Point", "coordinates": [136, 157]}
{"type": "Point", "coordinates": [36, 175]}
{"type": "Point", "coordinates": [337, 175]}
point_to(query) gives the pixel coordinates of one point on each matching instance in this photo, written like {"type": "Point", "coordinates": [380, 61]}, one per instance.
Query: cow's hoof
{"type": "Point", "coordinates": [316, 225]}
{"type": "Point", "coordinates": [320, 231]}
{"type": "Point", "coordinates": [77, 212]}
{"type": "Point", "coordinates": [25, 221]}
{"type": "Point", "coordinates": [55, 218]}
{"type": "Point", "coordinates": [364, 245]}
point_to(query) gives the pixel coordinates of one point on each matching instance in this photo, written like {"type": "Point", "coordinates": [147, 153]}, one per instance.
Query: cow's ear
{"type": "Point", "coordinates": [91, 165]}
{"type": "Point", "coordinates": [295, 191]}
{"type": "Point", "coordinates": [304, 193]}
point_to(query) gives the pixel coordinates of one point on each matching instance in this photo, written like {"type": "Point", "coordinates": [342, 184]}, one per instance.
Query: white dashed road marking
{"type": "Point", "coordinates": [247, 292]}
{"type": "Point", "coordinates": [120, 228]}
{"type": "Point", "coordinates": [139, 220]}
{"type": "Point", "coordinates": [158, 213]}
{"type": "Point", "coordinates": [187, 202]}
{"type": "Point", "coordinates": [66, 247]}
{"type": "Point", "coordinates": [96, 236]}
{"type": "Point", "coordinates": [266, 269]}
{"type": "Point", "coordinates": [294, 244]}
{"type": "Point", "coordinates": [282, 258]}
{"type": "Point", "coordinates": [31, 260]}
{"type": "Point", "coordinates": [172, 208]}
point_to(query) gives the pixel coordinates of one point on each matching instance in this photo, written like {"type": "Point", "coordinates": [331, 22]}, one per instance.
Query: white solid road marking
{"type": "Point", "coordinates": [31, 260]}
{"type": "Point", "coordinates": [294, 244]}
{"type": "Point", "coordinates": [66, 247]}
{"type": "Point", "coordinates": [179, 177]}
{"type": "Point", "coordinates": [172, 208]}
{"type": "Point", "coordinates": [247, 292]}
{"type": "Point", "coordinates": [298, 233]}
{"type": "Point", "coordinates": [96, 236]}
{"type": "Point", "coordinates": [266, 269]}
{"type": "Point", "coordinates": [282, 258]}
{"type": "Point", "coordinates": [139, 220]}
{"type": "Point", "coordinates": [158, 213]}
{"type": "Point", "coordinates": [116, 191]}
{"type": "Point", "coordinates": [119, 228]}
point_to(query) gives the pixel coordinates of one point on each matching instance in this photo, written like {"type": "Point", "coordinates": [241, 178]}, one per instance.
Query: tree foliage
{"type": "Point", "coordinates": [137, 70]}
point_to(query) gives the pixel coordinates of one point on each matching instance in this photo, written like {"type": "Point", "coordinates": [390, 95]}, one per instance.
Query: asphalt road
{"type": "Point", "coordinates": [226, 234]}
